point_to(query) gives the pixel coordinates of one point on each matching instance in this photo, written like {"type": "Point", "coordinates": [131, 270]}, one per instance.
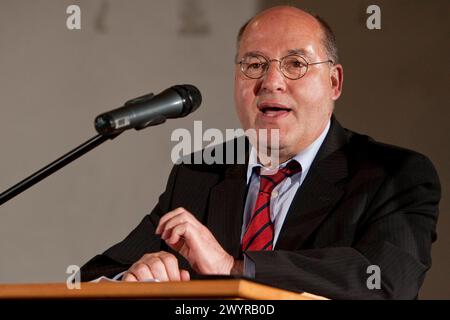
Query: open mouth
{"type": "Point", "coordinates": [273, 110]}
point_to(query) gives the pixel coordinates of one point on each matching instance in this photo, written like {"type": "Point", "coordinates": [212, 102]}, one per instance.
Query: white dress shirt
{"type": "Point", "coordinates": [282, 194]}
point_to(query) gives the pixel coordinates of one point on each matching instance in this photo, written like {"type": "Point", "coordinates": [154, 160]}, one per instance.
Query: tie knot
{"type": "Point", "coordinates": [269, 181]}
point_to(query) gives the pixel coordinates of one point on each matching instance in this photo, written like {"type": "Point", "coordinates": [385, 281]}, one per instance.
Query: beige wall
{"type": "Point", "coordinates": [53, 82]}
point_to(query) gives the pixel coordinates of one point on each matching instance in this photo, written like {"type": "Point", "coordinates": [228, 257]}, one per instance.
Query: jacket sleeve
{"type": "Point", "coordinates": [395, 234]}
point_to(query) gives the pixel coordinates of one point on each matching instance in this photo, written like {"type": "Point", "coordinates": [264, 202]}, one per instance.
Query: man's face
{"type": "Point", "coordinates": [305, 105]}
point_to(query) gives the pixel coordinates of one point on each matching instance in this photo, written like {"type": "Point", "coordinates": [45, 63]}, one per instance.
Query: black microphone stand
{"type": "Point", "coordinates": [55, 166]}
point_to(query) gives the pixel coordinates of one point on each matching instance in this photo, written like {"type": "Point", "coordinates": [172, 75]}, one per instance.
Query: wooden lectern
{"type": "Point", "coordinates": [195, 289]}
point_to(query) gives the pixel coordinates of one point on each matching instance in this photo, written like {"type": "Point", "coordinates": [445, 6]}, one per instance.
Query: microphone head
{"type": "Point", "coordinates": [192, 98]}
{"type": "Point", "coordinates": [174, 102]}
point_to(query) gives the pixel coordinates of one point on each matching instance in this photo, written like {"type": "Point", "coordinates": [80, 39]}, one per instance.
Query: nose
{"type": "Point", "coordinates": [273, 80]}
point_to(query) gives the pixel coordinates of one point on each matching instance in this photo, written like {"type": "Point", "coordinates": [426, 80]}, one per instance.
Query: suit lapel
{"type": "Point", "coordinates": [227, 200]}
{"type": "Point", "coordinates": [226, 208]}
{"type": "Point", "coordinates": [318, 193]}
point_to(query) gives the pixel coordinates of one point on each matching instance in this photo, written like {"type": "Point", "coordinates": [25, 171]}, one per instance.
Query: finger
{"type": "Point", "coordinates": [185, 276]}
{"type": "Point", "coordinates": [129, 277]}
{"type": "Point", "coordinates": [171, 264]}
{"type": "Point", "coordinates": [173, 222]}
{"type": "Point", "coordinates": [177, 233]}
{"type": "Point", "coordinates": [159, 270]}
{"type": "Point", "coordinates": [167, 217]}
{"type": "Point", "coordinates": [141, 271]}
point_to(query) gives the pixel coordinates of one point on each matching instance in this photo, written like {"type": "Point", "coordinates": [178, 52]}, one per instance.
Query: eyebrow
{"type": "Point", "coordinates": [301, 52]}
{"type": "Point", "coordinates": [253, 53]}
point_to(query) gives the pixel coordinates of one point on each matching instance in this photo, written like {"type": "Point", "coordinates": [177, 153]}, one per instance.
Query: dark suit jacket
{"type": "Point", "coordinates": [363, 203]}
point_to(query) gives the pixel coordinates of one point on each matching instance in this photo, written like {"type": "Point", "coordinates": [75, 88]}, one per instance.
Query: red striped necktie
{"type": "Point", "coordinates": [260, 230]}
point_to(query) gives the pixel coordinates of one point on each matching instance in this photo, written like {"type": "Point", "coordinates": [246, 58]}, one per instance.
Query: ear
{"type": "Point", "coordinates": [336, 81]}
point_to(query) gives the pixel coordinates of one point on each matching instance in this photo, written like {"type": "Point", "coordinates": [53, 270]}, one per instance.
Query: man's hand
{"type": "Point", "coordinates": [185, 234]}
{"type": "Point", "coordinates": [161, 266]}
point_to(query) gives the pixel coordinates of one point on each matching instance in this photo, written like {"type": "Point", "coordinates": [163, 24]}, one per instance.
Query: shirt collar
{"type": "Point", "coordinates": [304, 157]}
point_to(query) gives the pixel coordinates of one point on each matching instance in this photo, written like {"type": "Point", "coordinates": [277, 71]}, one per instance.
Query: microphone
{"type": "Point", "coordinates": [149, 110]}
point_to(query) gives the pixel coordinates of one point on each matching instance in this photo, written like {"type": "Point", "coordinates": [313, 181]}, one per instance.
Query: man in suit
{"type": "Point", "coordinates": [338, 203]}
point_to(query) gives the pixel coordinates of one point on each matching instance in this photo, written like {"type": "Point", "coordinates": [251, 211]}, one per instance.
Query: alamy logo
{"type": "Point", "coordinates": [263, 140]}
{"type": "Point", "coordinates": [73, 281]}
{"type": "Point", "coordinates": [73, 21]}
{"type": "Point", "coordinates": [374, 280]}
{"type": "Point", "coordinates": [374, 20]}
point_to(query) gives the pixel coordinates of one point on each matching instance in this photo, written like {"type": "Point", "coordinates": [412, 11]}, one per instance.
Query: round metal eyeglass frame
{"type": "Point", "coordinates": [280, 61]}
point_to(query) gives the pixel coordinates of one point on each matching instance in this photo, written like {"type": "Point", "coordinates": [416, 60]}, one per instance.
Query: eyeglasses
{"type": "Point", "coordinates": [291, 66]}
